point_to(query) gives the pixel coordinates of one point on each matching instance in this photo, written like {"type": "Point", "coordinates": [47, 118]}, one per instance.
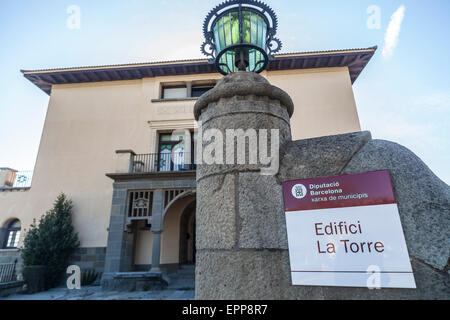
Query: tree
{"type": "Point", "coordinates": [52, 241]}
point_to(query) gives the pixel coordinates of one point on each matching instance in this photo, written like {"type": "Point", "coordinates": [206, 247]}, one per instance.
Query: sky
{"type": "Point", "coordinates": [403, 94]}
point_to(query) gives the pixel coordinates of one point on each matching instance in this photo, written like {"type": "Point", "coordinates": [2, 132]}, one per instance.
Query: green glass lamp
{"type": "Point", "coordinates": [239, 36]}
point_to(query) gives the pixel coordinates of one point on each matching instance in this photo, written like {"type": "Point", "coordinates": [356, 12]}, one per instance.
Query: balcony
{"type": "Point", "coordinates": [161, 162]}
{"type": "Point", "coordinates": [11, 179]}
{"type": "Point", "coordinates": [129, 162]}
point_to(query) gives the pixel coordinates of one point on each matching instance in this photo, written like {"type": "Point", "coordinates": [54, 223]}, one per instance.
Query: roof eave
{"type": "Point", "coordinates": [354, 59]}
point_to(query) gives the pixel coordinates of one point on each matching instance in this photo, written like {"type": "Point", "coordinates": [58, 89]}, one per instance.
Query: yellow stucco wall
{"type": "Point", "coordinates": [170, 238]}
{"type": "Point", "coordinates": [87, 123]}
{"type": "Point", "coordinates": [144, 244]}
{"type": "Point", "coordinates": [323, 99]}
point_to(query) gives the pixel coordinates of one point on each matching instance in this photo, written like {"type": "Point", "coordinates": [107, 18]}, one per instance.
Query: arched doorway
{"type": "Point", "coordinates": [187, 235]}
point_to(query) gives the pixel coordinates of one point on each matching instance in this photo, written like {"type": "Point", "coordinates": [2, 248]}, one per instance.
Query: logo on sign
{"type": "Point", "coordinates": [298, 191]}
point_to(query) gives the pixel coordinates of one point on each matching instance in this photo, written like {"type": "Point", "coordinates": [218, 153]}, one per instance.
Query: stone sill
{"type": "Point", "coordinates": [174, 100]}
{"type": "Point", "coordinates": [9, 250]}
{"type": "Point", "coordinates": [14, 189]}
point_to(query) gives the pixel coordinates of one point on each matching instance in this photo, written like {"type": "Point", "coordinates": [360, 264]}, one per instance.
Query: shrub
{"type": "Point", "coordinates": [35, 278]}
{"type": "Point", "coordinates": [52, 241]}
{"type": "Point", "coordinates": [88, 277]}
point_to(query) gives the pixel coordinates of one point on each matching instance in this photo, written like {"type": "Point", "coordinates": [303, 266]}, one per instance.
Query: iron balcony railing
{"type": "Point", "coordinates": [162, 162]}
{"type": "Point", "coordinates": [8, 272]}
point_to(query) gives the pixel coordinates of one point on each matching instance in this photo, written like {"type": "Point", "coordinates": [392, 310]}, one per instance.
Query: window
{"type": "Point", "coordinates": [172, 154]}
{"type": "Point", "coordinates": [197, 91]}
{"type": "Point", "coordinates": [174, 93]}
{"type": "Point", "coordinates": [13, 234]}
{"type": "Point", "coordinates": [185, 90]}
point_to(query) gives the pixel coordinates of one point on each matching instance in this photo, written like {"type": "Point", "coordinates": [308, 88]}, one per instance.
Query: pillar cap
{"type": "Point", "coordinates": [126, 151]}
{"type": "Point", "coordinates": [243, 83]}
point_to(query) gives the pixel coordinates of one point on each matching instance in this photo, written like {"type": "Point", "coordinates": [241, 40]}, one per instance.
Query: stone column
{"type": "Point", "coordinates": [241, 232]}
{"type": "Point", "coordinates": [3, 237]}
{"type": "Point", "coordinates": [119, 252]}
{"type": "Point", "coordinates": [156, 251]}
{"type": "Point", "coordinates": [157, 227]}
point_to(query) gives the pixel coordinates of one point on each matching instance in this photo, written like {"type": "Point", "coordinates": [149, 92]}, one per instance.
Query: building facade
{"type": "Point", "coordinates": [107, 140]}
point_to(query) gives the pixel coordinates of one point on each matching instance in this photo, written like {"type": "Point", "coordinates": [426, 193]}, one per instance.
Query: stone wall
{"type": "Point", "coordinates": [85, 258]}
{"type": "Point", "coordinates": [89, 258]}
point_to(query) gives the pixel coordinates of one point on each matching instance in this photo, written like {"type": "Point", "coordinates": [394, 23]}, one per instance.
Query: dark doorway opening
{"type": "Point", "coordinates": [187, 235]}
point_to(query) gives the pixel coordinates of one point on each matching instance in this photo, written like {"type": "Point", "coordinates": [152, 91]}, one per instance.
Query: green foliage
{"type": "Point", "coordinates": [52, 241]}
{"type": "Point", "coordinates": [35, 278]}
{"type": "Point", "coordinates": [88, 277]}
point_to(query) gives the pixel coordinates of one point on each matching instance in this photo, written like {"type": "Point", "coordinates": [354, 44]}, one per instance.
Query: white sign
{"type": "Point", "coordinates": [346, 231]}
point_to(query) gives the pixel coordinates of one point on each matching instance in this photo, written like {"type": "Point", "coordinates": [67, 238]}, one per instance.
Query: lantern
{"type": "Point", "coordinates": [239, 36]}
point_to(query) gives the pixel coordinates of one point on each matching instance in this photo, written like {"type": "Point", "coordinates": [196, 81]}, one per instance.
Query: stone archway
{"type": "Point", "coordinates": [187, 235]}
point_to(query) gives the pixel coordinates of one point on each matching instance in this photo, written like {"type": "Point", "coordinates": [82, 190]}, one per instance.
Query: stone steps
{"type": "Point", "coordinates": [184, 272]}
{"type": "Point", "coordinates": [181, 275]}
{"type": "Point", "coordinates": [183, 278]}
